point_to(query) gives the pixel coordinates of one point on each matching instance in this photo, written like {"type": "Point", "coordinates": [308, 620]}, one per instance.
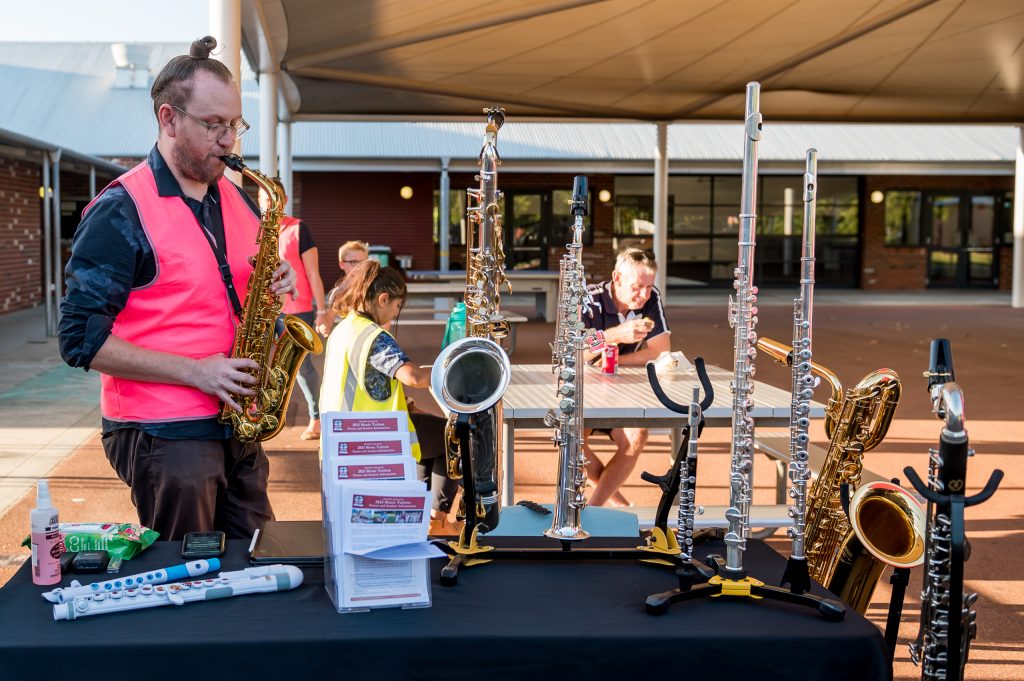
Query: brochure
{"type": "Point", "coordinates": [378, 544]}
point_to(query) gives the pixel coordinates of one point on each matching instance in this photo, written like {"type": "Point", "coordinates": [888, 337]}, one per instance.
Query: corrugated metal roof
{"type": "Point", "coordinates": [63, 93]}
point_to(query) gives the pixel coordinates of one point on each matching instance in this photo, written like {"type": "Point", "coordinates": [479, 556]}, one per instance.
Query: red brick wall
{"type": "Point", "coordinates": [901, 267]}
{"type": "Point", "coordinates": [339, 207]}
{"type": "Point", "coordinates": [21, 237]}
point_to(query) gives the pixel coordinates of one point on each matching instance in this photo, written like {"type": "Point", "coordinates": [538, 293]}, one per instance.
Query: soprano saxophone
{"type": "Point", "coordinates": [262, 416]}
{"type": "Point", "coordinates": [571, 339]}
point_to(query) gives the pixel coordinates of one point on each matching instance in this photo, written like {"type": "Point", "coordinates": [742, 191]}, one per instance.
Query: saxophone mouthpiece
{"type": "Point", "coordinates": [940, 364]}
{"type": "Point", "coordinates": [578, 205]}
{"type": "Point", "coordinates": [233, 161]}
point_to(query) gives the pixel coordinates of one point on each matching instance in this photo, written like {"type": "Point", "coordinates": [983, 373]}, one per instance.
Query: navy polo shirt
{"type": "Point", "coordinates": [602, 314]}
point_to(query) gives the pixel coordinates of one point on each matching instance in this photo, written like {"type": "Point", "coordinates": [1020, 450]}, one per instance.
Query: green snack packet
{"type": "Point", "coordinates": [121, 540]}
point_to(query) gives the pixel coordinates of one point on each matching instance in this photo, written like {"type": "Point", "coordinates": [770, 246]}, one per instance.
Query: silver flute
{"type": "Point", "coordinates": [688, 508]}
{"type": "Point", "coordinates": [803, 379]}
{"type": "Point", "coordinates": [567, 354]}
{"type": "Point", "coordinates": [743, 319]}
{"type": "Point", "coordinates": [252, 580]}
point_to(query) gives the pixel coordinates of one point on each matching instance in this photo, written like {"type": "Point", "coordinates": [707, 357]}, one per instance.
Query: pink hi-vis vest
{"type": "Point", "coordinates": [288, 249]}
{"type": "Point", "coordinates": [185, 309]}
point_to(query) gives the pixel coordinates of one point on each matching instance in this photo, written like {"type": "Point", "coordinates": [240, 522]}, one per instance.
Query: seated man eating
{"type": "Point", "coordinates": [629, 310]}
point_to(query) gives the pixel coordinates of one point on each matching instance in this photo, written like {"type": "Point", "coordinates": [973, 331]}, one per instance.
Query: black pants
{"type": "Point", "coordinates": [432, 466]}
{"type": "Point", "coordinates": [181, 486]}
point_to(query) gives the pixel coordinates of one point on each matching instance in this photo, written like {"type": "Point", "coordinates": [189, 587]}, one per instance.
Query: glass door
{"type": "Point", "coordinates": [526, 234]}
{"type": "Point", "coordinates": [962, 240]}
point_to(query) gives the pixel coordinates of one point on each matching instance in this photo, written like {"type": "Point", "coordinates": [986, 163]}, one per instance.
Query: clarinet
{"type": "Point", "coordinates": [252, 580]}
{"type": "Point", "coordinates": [796, 573]}
{"type": "Point", "coordinates": [948, 618]}
{"type": "Point", "coordinates": [688, 509]}
{"type": "Point", "coordinates": [743, 319]}
{"type": "Point", "coordinates": [567, 361]}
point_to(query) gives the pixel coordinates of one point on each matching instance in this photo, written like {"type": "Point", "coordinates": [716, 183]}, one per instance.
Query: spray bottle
{"type": "Point", "coordinates": [46, 542]}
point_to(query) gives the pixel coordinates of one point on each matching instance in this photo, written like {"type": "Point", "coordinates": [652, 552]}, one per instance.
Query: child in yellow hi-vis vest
{"type": "Point", "coordinates": [365, 370]}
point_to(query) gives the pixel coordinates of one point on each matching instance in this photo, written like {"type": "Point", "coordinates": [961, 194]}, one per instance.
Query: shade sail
{"type": "Point", "coordinates": [663, 60]}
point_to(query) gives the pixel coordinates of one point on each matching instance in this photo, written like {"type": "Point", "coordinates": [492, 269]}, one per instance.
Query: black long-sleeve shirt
{"type": "Point", "coordinates": [110, 256]}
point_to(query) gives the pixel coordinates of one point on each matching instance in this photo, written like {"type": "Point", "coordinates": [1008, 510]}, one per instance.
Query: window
{"type": "Point", "coordinates": [902, 218]}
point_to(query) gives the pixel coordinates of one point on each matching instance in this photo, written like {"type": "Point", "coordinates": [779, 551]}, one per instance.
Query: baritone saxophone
{"type": "Point", "coordinates": [263, 414]}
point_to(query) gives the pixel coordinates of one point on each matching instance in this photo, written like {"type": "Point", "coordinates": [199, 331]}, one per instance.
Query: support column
{"type": "Point", "coordinates": [226, 27]}
{"type": "Point", "coordinates": [444, 217]}
{"type": "Point", "coordinates": [58, 268]}
{"type": "Point", "coordinates": [661, 206]}
{"type": "Point", "coordinates": [284, 143]}
{"type": "Point", "coordinates": [268, 122]}
{"type": "Point", "coordinates": [1017, 298]}
{"type": "Point", "coordinates": [92, 182]}
{"type": "Point", "coordinates": [47, 247]}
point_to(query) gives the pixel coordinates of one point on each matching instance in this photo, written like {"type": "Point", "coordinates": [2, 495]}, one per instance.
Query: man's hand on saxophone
{"type": "Point", "coordinates": [224, 376]}
{"type": "Point", "coordinates": [283, 280]}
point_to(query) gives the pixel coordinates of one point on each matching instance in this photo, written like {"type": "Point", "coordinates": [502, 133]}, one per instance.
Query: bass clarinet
{"type": "Point", "coordinates": [571, 338]}
{"type": "Point", "coordinates": [947, 611]}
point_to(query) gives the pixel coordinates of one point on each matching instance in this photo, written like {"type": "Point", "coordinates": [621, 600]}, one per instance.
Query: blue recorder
{"type": "Point", "coordinates": [193, 568]}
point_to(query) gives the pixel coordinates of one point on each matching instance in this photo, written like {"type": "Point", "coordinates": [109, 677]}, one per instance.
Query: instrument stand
{"type": "Point", "coordinates": [661, 548]}
{"type": "Point", "coordinates": [798, 575]}
{"type": "Point", "coordinates": [736, 584]}
{"type": "Point", "coordinates": [899, 579]}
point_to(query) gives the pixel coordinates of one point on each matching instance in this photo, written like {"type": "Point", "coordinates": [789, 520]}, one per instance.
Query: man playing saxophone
{"type": "Point", "coordinates": [159, 266]}
{"type": "Point", "coordinates": [629, 310]}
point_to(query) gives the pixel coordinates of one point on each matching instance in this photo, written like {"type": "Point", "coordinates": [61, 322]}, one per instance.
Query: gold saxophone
{"type": "Point", "coordinates": [885, 526]}
{"type": "Point", "coordinates": [262, 416]}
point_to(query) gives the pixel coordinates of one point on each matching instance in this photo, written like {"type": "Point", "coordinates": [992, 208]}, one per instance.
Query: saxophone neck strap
{"type": "Point", "coordinates": [206, 224]}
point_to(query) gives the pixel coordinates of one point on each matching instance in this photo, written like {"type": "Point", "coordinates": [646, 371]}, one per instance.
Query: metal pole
{"type": "Point", "coordinates": [47, 246]}
{"type": "Point", "coordinates": [444, 217]}
{"type": "Point", "coordinates": [92, 182]}
{"type": "Point", "coordinates": [1017, 298]}
{"type": "Point", "coordinates": [268, 122]}
{"type": "Point", "coordinates": [58, 269]}
{"type": "Point", "coordinates": [284, 139]}
{"type": "Point", "coordinates": [226, 27]}
{"type": "Point", "coordinates": [661, 206]}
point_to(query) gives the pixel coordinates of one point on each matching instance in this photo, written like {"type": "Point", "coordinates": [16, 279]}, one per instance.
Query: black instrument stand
{"type": "Point", "coordinates": [697, 580]}
{"type": "Point", "coordinates": [661, 548]}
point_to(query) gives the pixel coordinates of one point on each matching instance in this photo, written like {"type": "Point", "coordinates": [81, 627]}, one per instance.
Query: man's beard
{"type": "Point", "coordinates": [195, 165]}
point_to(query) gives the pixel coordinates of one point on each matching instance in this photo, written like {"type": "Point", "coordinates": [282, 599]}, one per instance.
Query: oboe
{"type": "Point", "coordinates": [252, 580]}
{"type": "Point", "coordinates": [796, 574]}
{"type": "Point", "coordinates": [743, 319]}
{"type": "Point", "coordinates": [947, 611]}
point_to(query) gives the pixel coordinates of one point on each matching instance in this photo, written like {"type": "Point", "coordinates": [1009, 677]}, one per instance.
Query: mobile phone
{"type": "Point", "coordinates": [203, 545]}
{"type": "Point", "coordinates": [90, 561]}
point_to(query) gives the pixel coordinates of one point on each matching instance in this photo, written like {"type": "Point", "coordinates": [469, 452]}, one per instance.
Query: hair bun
{"type": "Point", "coordinates": [202, 48]}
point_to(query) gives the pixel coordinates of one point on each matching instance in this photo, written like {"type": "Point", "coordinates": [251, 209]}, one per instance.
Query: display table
{"type": "Point", "coordinates": [512, 619]}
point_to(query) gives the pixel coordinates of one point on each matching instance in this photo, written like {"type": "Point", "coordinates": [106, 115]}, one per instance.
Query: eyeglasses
{"type": "Point", "coordinates": [214, 131]}
{"type": "Point", "coordinates": [353, 262]}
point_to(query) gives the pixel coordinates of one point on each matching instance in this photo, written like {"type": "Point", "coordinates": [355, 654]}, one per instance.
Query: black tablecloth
{"type": "Point", "coordinates": [512, 619]}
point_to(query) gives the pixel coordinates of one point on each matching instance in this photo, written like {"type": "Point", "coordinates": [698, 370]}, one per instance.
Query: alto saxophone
{"type": "Point", "coordinates": [262, 416]}
{"type": "Point", "coordinates": [568, 364]}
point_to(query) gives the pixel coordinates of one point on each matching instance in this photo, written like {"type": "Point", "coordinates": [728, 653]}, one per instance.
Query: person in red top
{"type": "Point", "coordinates": [296, 245]}
{"type": "Point", "coordinates": [159, 270]}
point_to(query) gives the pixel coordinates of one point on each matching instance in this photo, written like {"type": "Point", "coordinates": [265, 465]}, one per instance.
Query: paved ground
{"type": "Point", "coordinates": [48, 420]}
